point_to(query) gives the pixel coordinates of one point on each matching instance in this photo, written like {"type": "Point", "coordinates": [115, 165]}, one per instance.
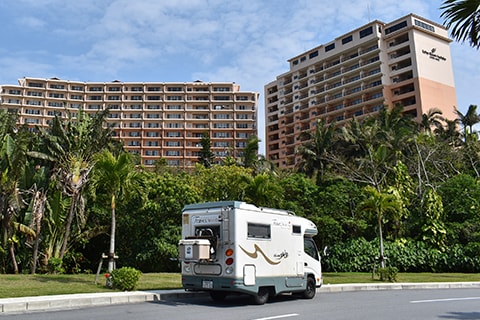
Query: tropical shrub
{"type": "Point", "coordinates": [125, 278]}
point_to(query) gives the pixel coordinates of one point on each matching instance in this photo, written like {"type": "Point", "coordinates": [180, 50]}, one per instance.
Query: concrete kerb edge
{"type": "Point", "coordinates": [396, 286]}
{"type": "Point", "coordinates": [45, 303]}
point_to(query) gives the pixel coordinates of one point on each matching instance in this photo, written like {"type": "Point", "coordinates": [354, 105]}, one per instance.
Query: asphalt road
{"type": "Point", "coordinates": [389, 304]}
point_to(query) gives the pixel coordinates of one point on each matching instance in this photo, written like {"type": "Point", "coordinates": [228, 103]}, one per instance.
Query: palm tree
{"type": "Point", "coordinates": [70, 147]}
{"type": "Point", "coordinates": [263, 190]}
{"type": "Point", "coordinates": [250, 152]}
{"type": "Point", "coordinates": [463, 16]}
{"type": "Point", "coordinates": [433, 118]}
{"type": "Point", "coordinates": [314, 150]}
{"type": "Point", "coordinates": [13, 161]}
{"type": "Point", "coordinates": [118, 179]}
{"type": "Point", "coordinates": [449, 132]}
{"type": "Point", "coordinates": [469, 119]}
{"type": "Point", "coordinates": [380, 204]}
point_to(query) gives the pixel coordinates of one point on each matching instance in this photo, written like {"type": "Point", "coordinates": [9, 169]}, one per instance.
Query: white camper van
{"type": "Point", "coordinates": [233, 246]}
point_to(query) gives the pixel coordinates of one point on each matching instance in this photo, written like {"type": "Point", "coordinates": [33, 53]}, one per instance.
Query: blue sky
{"type": "Point", "coordinates": [245, 41]}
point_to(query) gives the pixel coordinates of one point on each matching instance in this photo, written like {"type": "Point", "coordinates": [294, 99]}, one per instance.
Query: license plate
{"type": "Point", "coordinates": [207, 284]}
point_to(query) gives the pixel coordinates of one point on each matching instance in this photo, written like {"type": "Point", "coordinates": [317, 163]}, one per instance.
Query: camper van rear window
{"type": "Point", "coordinates": [259, 231]}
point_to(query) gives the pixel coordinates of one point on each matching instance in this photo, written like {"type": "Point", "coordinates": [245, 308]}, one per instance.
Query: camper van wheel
{"type": "Point", "coordinates": [309, 293]}
{"type": "Point", "coordinates": [218, 295]}
{"type": "Point", "coordinates": [262, 296]}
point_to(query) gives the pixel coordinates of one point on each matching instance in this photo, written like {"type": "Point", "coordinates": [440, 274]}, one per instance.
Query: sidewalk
{"type": "Point", "coordinates": [75, 301]}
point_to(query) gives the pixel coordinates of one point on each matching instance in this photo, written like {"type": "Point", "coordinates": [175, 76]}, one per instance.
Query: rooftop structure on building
{"type": "Point", "coordinates": [404, 62]}
{"type": "Point", "coordinates": [155, 120]}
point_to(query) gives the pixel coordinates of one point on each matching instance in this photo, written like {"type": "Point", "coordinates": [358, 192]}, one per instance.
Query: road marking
{"type": "Point", "coordinates": [444, 300]}
{"type": "Point", "coordinates": [279, 317]}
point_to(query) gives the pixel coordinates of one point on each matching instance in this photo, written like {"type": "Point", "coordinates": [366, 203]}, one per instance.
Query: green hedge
{"type": "Point", "coordinates": [358, 255]}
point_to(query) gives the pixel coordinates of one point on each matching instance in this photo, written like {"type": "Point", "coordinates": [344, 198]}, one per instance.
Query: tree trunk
{"type": "Point", "coordinates": [39, 208]}
{"type": "Point", "coordinates": [68, 225]}
{"type": "Point", "coordinates": [11, 249]}
{"type": "Point", "coordinates": [382, 258]}
{"type": "Point", "coordinates": [111, 252]}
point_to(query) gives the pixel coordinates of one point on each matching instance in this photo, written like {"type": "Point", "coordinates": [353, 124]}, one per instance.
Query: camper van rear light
{"type": "Point", "coordinates": [229, 261]}
{"type": "Point", "coordinates": [229, 252]}
{"type": "Point", "coordinates": [229, 270]}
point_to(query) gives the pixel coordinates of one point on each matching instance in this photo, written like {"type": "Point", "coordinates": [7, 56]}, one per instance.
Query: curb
{"type": "Point", "coordinates": [83, 300]}
{"type": "Point", "coordinates": [397, 286]}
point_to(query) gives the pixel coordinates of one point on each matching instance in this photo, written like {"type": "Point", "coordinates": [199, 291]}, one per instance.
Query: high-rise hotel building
{"type": "Point", "coordinates": [405, 62]}
{"type": "Point", "coordinates": [155, 120]}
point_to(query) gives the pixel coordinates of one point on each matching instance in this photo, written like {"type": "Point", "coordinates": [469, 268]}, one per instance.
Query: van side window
{"type": "Point", "coordinates": [259, 231]}
{"type": "Point", "coordinates": [296, 229]}
{"type": "Point", "coordinates": [310, 248]}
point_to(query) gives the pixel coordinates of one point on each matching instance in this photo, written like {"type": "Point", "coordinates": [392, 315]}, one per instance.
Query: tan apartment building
{"type": "Point", "coordinates": [406, 62]}
{"type": "Point", "coordinates": [154, 120]}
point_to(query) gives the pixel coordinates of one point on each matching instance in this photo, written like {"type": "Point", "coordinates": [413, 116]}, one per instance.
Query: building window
{"type": "Point", "coordinates": [151, 152]}
{"type": "Point", "coordinates": [95, 89]}
{"type": "Point", "coordinates": [35, 84]}
{"type": "Point", "coordinates": [221, 125]}
{"type": "Point", "coordinates": [221, 89]}
{"type": "Point", "coordinates": [77, 88]}
{"type": "Point", "coordinates": [57, 86]}
{"type": "Point", "coordinates": [221, 135]}
{"type": "Point", "coordinates": [396, 27]}
{"type": "Point", "coordinates": [424, 25]}
{"type": "Point", "coordinates": [313, 54]}
{"type": "Point", "coordinates": [365, 32]}
{"type": "Point", "coordinates": [173, 153]}
{"type": "Point", "coordinates": [330, 47]}
{"type": "Point", "coordinates": [222, 98]}
{"type": "Point", "coordinates": [347, 39]}
{"type": "Point", "coordinates": [34, 94]}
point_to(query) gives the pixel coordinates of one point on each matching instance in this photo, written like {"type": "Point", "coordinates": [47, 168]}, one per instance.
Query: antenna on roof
{"type": "Point", "coordinates": [368, 10]}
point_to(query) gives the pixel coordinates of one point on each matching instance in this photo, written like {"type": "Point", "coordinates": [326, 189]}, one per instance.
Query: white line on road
{"type": "Point", "coordinates": [444, 300]}
{"type": "Point", "coordinates": [279, 317]}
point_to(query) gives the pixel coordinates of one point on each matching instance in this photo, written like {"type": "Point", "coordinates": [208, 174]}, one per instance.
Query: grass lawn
{"type": "Point", "coordinates": [38, 285]}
